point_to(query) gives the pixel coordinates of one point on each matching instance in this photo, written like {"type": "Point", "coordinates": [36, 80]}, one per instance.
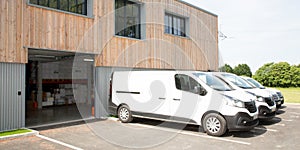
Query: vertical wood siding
{"type": "Point", "coordinates": [198, 51]}
{"type": "Point", "coordinates": [24, 26]}
{"type": "Point", "coordinates": [11, 45]}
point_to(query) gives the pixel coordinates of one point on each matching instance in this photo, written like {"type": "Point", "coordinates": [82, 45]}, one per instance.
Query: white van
{"type": "Point", "coordinates": [184, 96]}
{"type": "Point", "coordinates": [279, 99]}
{"type": "Point", "coordinates": [265, 102]}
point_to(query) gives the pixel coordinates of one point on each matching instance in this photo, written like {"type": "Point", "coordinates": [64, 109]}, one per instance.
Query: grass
{"type": "Point", "coordinates": [291, 95]}
{"type": "Point", "coordinates": [113, 116]}
{"type": "Point", "coordinates": [13, 132]}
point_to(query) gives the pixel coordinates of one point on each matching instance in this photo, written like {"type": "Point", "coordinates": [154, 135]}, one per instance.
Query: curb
{"type": "Point", "coordinates": [113, 119]}
{"type": "Point", "coordinates": [297, 104]}
{"type": "Point", "coordinates": [32, 133]}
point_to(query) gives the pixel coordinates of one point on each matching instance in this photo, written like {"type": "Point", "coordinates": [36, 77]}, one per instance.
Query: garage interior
{"type": "Point", "coordinates": [59, 87]}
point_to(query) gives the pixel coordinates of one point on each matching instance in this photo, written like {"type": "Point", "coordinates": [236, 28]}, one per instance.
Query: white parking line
{"type": "Point", "coordinates": [296, 113]}
{"type": "Point", "coordinates": [288, 120]}
{"type": "Point", "coordinates": [265, 129]}
{"type": "Point", "coordinates": [293, 116]}
{"type": "Point", "coordinates": [59, 142]}
{"type": "Point", "coordinates": [280, 124]}
{"type": "Point", "coordinates": [216, 138]}
{"type": "Point", "coordinates": [190, 133]}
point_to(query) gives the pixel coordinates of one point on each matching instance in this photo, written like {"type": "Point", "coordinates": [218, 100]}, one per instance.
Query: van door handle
{"type": "Point", "coordinates": [175, 99]}
{"type": "Point", "coordinates": [162, 98]}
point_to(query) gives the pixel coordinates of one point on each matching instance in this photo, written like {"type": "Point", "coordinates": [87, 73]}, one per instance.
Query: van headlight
{"type": "Point", "coordinates": [260, 99]}
{"type": "Point", "coordinates": [235, 102]}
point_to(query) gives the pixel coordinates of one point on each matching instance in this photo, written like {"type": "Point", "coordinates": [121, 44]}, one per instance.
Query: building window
{"type": "Point", "coordinates": [175, 25]}
{"type": "Point", "coordinates": [74, 6]}
{"type": "Point", "coordinates": [128, 19]}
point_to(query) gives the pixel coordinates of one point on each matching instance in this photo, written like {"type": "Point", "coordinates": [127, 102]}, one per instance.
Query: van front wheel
{"type": "Point", "coordinates": [124, 114]}
{"type": "Point", "coordinates": [214, 124]}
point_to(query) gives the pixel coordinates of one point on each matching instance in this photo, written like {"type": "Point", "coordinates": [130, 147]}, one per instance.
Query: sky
{"type": "Point", "coordinates": [258, 31]}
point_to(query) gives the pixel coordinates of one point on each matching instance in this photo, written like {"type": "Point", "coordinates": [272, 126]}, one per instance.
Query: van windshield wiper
{"type": "Point", "coordinates": [246, 87]}
{"type": "Point", "coordinates": [223, 89]}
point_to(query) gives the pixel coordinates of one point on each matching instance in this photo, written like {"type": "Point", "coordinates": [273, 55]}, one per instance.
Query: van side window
{"type": "Point", "coordinates": [186, 83]}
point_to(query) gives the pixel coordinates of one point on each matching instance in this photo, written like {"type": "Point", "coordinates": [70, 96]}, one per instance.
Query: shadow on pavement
{"type": "Point", "coordinates": [63, 124]}
{"type": "Point", "coordinates": [257, 131]}
{"type": "Point", "coordinates": [196, 128]}
{"type": "Point", "coordinates": [270, 122]}
{"type": "Point", "coordinates": [166, 124]}
{"type": "Point", "coordinates": [283, 107]}
{"type": "Point", "coordinates": [279, 112]}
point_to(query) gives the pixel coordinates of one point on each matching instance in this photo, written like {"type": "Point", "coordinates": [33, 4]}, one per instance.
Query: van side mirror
{"type": "Point", "coordinates": [197, 90]}
{"type": "Point", "coordinates": [202, 91]}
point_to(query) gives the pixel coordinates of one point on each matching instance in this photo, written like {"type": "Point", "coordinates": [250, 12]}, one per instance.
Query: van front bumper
{"type": "Point", "coordinates": [280, 101]}
{"type": "Point", "coordinates": [264, 113]}
{"type": "Point", "coordinates": [241, 122]}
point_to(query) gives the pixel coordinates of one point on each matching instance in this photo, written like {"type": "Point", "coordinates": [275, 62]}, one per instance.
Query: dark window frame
{"type": "Point", "coordinates": [187, 85]}
{"type": "Point", "coordinates": [125, 27]}
{"type": "Point", "coordinates": [83, 4]}
{"type": "Point", "coordinates": [171, 28]}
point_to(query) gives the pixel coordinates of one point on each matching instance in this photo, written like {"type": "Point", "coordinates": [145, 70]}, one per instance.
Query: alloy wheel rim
{"type": "Point", "coordinates": [213, 125]}
{"type": "Point", "coordinates": [124, 114]}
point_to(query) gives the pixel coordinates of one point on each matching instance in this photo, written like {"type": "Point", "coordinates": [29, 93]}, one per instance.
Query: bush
{"type": "Point", "coordinates": [242, 70]}
{"type": "Point", "coordinates": [226, 68]}
{"type": "Point", "coordinates": [280, 74]}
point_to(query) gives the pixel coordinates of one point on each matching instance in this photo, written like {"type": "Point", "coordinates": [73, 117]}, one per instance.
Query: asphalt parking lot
{"type": "Point", "coordinates": [282, 132]}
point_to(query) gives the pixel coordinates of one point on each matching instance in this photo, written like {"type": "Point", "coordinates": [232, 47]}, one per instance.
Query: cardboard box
{"type": "Point", "coordinates": [57, 96]}
{"type": "Point", "coordinates": [48, 94]}
{"type": "Point", "coordinates": [50, 99]}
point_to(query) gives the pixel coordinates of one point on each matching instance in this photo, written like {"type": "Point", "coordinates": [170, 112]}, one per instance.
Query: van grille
{"type": "Point", "coordinates": [269, 101]}
{"type": "Point", "coordinates": [251, 107]}
{"type": "Point", "coordinates": [279, 94]}
{"type": "Point", "coordinates": [275, 97]}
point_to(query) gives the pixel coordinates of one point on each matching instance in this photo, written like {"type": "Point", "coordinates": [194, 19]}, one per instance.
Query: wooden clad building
{"type": "Point", "coordinates": [145, 34]}
{"type": "Point", "coordinates": [25, 25]}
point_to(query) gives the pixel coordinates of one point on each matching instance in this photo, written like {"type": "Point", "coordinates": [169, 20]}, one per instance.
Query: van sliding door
{"type": "Point", "coordinates": [185, 99]}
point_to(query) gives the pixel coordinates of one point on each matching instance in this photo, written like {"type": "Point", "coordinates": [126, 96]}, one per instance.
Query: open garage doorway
{"type": "Point", "coordinates": [59, 87]}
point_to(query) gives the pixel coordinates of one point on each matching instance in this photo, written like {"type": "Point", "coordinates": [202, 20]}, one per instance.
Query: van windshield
{"type": "Point", "coordinates": [238, 81]}
{"type": "Point", "coordinates": [213, 82]}
{"type": "Point", "coordinates": [255, 83]}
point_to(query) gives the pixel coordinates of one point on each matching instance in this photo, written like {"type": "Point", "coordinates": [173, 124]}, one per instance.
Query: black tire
{"type": "Point", "coordinates": [124, 114]}
{"type": "Point", "coordinates": [278, 106]}
{"type": "Point", "coordinates": [214, 124]}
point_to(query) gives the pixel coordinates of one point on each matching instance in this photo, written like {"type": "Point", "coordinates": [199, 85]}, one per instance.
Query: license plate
{"type": "Point", "coordinates": [274, 109]}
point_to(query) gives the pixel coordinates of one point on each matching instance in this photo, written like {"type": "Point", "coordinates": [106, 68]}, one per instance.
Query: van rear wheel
{"type": "Point", "coordinates": [214, 124]}
{"type": "Point", "coordinates": [124, 114]}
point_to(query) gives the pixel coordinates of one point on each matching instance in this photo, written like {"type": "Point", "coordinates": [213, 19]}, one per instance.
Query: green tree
{"type": "Point", "coordinates": [261, 75]}
{"type": "Point", "coordinates": [295, 76]}
{"type": "Point", "coordinates": [280, 75]}
{"type": "Point", "coordinates": [242, 70]}
{"type": "Point", "coordinates": [226, 68]}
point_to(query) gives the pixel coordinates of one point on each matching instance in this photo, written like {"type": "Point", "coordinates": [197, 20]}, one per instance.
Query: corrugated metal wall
{"type": "Point", "coordinates": [12, 96]}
